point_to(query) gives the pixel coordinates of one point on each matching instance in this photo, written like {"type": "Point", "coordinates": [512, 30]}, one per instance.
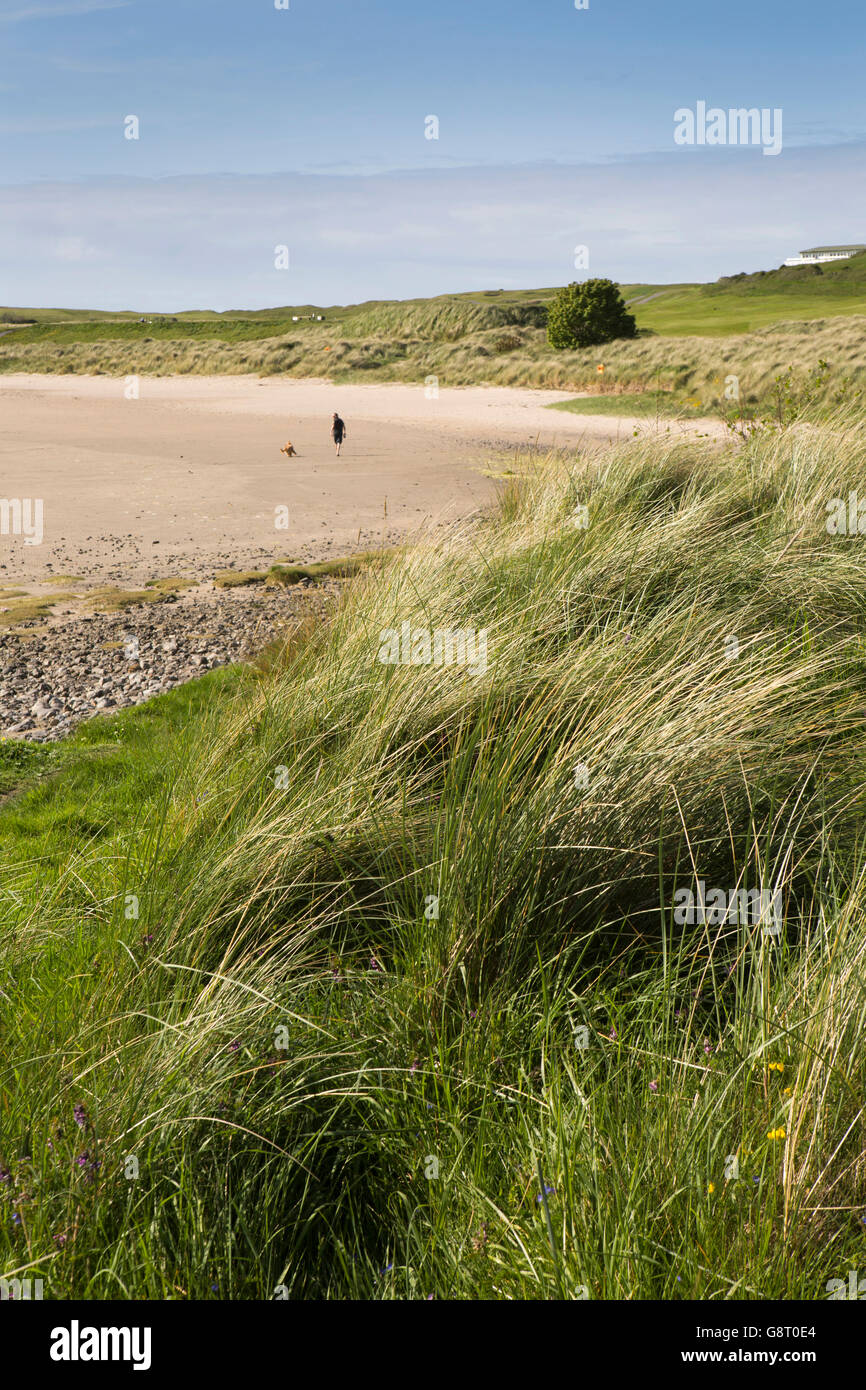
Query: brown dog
{"type": "Point", "coordinates": [290, 451]}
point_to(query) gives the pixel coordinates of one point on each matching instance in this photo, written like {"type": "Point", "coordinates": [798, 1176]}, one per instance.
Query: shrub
{"type": "Point", "coordinates": [587, 314]}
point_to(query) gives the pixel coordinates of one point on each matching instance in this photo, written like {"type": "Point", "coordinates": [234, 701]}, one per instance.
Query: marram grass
{"type": "Point", "coordinates": [380, 991]}
{"type": "Point", "coordinates": [463, 344]}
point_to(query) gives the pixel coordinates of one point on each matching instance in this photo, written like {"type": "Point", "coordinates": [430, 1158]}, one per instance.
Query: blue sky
{"type": "Point", "coordinates": [306, 127]}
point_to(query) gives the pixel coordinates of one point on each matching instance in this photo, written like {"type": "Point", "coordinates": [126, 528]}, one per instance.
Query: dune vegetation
{"type": "Point", "coordinates": [692, 340]}
{"type": "Point", "coordinates": [682, 376]}
{"type": "Point", "coordinates": [333, 978]}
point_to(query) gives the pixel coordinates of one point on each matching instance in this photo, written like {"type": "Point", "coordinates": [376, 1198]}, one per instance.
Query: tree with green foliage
{"type": "Point", "coordinates": [582, 315]}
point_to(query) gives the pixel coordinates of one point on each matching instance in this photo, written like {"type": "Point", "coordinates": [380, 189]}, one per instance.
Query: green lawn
{"type": "Point", "coordinates": [94, 785]}
{"type": "Point", "coordinates": [686, 311]}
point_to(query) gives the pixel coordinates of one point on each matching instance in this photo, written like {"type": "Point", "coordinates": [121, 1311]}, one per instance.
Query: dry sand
{"type": "Point", "coordinates": [188, 478]}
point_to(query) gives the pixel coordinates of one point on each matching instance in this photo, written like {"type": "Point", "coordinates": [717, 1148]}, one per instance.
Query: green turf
{"type": "Point", "coordinates": [745, 302]}
{"type": "Point", "coordinates": [59, 797]}
{"type": "Point", "coordinates": [21, 764]}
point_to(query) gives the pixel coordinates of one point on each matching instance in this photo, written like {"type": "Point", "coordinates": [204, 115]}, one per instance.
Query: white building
{"type": "Point", "coordinates": [816, 254]}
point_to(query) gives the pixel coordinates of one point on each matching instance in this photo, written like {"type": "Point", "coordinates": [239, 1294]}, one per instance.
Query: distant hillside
{"type": "Point", "coordinates": [488, 337]}
{"type": "Point", "coordinates": [833, 279]}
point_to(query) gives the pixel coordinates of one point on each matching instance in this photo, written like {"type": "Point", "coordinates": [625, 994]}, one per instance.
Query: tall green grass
{"type": "Point", "coordinates": [468, 345]}
{"type": "Point", "coordinates": [405, 1010]}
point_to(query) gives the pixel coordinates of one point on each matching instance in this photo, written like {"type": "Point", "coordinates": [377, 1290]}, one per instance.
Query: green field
{"type": "Point", "coordinates": [366, 980]}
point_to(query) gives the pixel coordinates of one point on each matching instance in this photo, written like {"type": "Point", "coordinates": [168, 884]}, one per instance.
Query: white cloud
{"type": "Point", "coordinates": [73, 249]}
{"type": "Point", "coordinates": [63, 9]}
{"type": "Point", "coordinates": [55, 125]}
{"type": "Point", "coordinates": [208, 241]}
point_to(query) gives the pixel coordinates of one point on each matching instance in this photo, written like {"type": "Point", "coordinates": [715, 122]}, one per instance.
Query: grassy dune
{"type": "Point", "coordinates": [363, 980]}
{"type": "Point", "coordinates": [693, 338]}
{"type": "Point", "coordinates": [499, 339]}
{"type": "Point", "coordinates": [690, 373]}
{"type": "Point", "coordinates": [734, 304]}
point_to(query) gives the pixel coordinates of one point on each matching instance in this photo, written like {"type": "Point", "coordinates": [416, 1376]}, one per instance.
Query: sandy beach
{"type": "Point", "coordinates": [189, 476]}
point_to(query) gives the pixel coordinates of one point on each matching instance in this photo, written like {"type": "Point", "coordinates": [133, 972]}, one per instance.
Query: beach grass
{"type": "Point", "coordinates": [335, 978]}
{"type": "Point", "coordinates": [665, 404]}
{"type": "Point", "coordinates": [700, 346]}
{"type": "Point", "coordinates": [706, 370]}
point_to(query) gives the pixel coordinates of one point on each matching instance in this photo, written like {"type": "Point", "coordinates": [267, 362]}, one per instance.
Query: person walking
{"type": "Point", "coordinates": [338, 433]}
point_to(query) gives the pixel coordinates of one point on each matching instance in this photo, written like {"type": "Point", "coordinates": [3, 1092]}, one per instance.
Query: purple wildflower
{"type": "Point", "coordinates": [79, 1114]}
{"type": "Point", "coordinates": [89, 1164]}
{"type": "Point", "coordinates": [654, 1085]}
{"type": "Point", "coordinates": [548, 1192]}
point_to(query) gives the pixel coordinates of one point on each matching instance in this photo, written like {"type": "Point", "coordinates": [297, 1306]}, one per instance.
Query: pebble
{"type": "Point", "coordinates": [55, 680]}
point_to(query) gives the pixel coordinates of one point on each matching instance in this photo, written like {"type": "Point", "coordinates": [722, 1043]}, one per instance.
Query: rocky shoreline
{"type": "Point", "coordinates": [59, 677]}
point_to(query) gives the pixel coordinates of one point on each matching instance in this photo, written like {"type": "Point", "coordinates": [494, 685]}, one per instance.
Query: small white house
{"type": "Point", "coordinates": [816, 254]}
